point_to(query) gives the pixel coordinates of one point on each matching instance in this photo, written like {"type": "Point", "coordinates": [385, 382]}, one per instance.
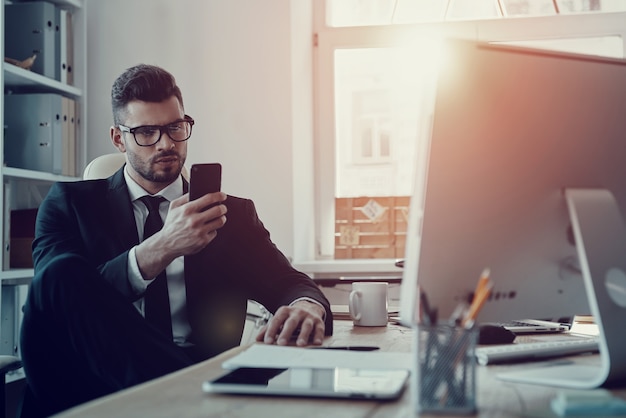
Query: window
{"type": "Point", "coordinates": [375, 77]}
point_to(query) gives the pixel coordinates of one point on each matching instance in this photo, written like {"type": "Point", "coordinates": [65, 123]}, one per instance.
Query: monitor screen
{"type": "Point", "coordinates": [512, 128]}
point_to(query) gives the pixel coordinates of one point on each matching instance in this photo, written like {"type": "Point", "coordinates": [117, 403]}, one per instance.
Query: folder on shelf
{"type": "Point", "coordinates": [35, 136]}
{"type": "Point", "coordinates": [65, 47]}
{"type": "Point", "coordinates": [33, 28]}
{"type": "Point", "coordinates": [70, 49]}
{"type": "Point", "coordinates": [69, 137]}
{"type": "Point", "coordinates": [71, 148]}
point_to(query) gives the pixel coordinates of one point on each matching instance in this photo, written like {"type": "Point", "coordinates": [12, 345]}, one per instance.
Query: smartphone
{"type": "Point", "coordinates": [205, 178]}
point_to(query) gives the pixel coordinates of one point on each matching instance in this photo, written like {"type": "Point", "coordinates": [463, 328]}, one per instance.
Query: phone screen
{"type": "Point", "coordinates": [205, 178]}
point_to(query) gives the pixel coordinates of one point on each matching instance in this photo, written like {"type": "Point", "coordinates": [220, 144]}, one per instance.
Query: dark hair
{"type": "Point", "coordinates": [147, 83]}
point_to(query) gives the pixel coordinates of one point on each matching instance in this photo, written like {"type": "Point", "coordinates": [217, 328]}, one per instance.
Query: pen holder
{"type": "Point", "coordinates": [446, 369]}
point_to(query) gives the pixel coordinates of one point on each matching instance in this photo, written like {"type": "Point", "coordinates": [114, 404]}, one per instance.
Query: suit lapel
{"type": "Point", "coordinates": [121, 209]}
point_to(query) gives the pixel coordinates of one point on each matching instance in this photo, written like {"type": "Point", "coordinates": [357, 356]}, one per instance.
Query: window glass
{"type": "Point", "coordinates": [342, 13]}
{"type": "Point", "coordinates": [472, 9]}
{"type": "Point", "coordinates": [378, 96]}
{"type": "Point", "coordinates": [419, 11]}
{"type": "Point", "coordinates": [512, 8]}
{"type": "Point", "coordinates": [359, 12]}
{"type": "Point", "coordinates": [577, 6]}
{"type": "Point", "coordinates": [377, 101]}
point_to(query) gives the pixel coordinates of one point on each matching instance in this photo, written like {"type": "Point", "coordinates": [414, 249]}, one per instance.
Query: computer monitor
{"type": "Point", "coordinates": [524, 174]}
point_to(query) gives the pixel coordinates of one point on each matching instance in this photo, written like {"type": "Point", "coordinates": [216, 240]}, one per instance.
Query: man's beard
{"type": "Point", "coordinates": [145, 168]}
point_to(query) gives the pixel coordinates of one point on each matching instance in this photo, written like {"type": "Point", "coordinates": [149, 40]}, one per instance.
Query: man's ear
{"type": "Point", "coordinates": [116, 139]}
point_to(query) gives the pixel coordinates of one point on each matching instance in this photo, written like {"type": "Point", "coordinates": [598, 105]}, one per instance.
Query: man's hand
{"type": "Point", "coordinates": [302, 320]}
{"type": "Point", "coordinates": [187, 229]}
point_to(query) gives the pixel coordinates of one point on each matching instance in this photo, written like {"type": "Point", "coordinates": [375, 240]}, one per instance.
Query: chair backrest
{"type": "Point", "coordinates": [104, 166]}
{"type": "Point", "coordinates": [107, 164]}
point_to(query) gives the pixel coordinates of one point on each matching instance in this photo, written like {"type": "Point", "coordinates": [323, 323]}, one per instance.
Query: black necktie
{"type": "Point", "coordinates": [156, 298]}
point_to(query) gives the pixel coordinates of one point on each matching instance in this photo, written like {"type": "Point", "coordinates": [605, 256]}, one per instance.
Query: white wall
{"type": "Point", "coordinates": [233, 61]}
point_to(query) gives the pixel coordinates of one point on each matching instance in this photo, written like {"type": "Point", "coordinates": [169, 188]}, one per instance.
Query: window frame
{"type": "Point", "coordinates": [328, 39]}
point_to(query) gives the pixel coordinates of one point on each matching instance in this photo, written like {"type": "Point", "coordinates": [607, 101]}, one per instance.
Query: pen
{"type": "Point", "coordinates": [425, 311]}
{"type": "Point", "coordinates": [351, 347]}
{"type": "Point", "coordinates": [459, 316]}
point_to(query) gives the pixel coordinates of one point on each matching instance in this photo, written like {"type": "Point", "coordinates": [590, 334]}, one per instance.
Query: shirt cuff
{"type": "Point", "coordinates": [137, 283]}
{"type": "Point", "coordinates": [308, 299]}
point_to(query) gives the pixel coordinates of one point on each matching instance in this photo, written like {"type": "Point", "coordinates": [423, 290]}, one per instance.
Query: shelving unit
{"type": "Point", "coordinates": [23, 188]}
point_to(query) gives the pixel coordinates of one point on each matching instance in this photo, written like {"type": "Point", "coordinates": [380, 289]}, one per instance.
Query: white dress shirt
{"type": "Point", "coordinates": [175, 270]}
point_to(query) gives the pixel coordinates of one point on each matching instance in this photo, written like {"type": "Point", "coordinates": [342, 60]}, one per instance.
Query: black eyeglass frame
{"type": "Point", "coordinates": [161, 128]}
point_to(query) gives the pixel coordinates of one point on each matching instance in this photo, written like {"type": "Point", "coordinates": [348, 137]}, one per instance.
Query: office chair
{"type": "Point", "coordinates": [107, 164]}
{"type": "Point", "coordinates": [7, 364]}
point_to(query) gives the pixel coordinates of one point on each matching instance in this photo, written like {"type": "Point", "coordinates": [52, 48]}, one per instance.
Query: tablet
{"type": "Point", "coordinates": [310, 382]}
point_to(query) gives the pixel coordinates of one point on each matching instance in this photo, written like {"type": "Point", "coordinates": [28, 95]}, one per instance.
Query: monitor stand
{"type": "Point", "coordinates": [600, 236]}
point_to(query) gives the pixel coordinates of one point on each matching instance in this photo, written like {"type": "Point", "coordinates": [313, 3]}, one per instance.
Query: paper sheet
{"type": "Point", "coordinates": [263, 355]}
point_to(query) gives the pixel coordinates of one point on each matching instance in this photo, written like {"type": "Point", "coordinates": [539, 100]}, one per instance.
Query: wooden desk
{"type": "Point", "coordinates": [179, 394]}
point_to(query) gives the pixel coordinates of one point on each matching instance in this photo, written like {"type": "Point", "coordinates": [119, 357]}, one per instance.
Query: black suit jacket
{"type": "Point", "coordinates": [94, 218]}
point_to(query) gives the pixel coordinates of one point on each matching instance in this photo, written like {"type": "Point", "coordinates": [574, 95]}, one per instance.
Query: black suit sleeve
{"type": "Point", "coordinates": [75, 218]}
{"type": "Point", "coordinates": [244, 259]}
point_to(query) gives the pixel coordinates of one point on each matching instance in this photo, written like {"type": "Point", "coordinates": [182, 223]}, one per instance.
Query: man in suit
{"type": "Point", "coordinates": [86, 330]}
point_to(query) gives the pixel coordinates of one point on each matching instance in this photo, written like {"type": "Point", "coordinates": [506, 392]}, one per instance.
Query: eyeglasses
{"type": "Point", "coordinates": [148, 135]}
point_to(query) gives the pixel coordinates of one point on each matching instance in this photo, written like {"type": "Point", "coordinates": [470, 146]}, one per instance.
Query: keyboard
{"type": "Point", "coordinates": [534, 350]}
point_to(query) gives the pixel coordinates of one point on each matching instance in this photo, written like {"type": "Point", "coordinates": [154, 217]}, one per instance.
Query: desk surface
{"type": "Point", "coordinates": [179, 394]}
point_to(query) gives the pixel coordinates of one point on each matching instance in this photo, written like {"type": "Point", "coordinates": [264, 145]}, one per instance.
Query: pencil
{"type": "Point", "coordinates": [482, 281]}
{"type": "Point", "coordinates": [477, 303]}
{"type": "Point", "coordinates": [481, 294]}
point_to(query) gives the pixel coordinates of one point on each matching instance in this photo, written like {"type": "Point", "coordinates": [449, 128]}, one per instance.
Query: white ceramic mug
{"type": "Point", "coordinates": [368, 304]}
